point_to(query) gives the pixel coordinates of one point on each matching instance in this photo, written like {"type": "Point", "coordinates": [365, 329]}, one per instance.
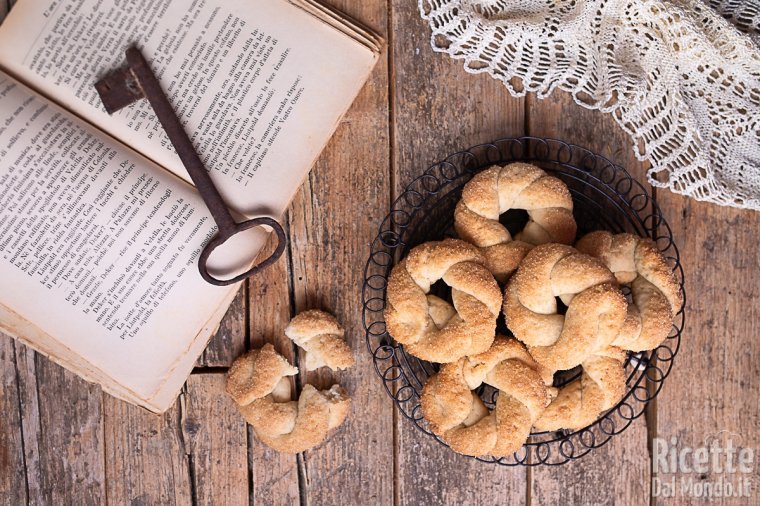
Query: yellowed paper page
{"type": "Point", "coordinates": [99, 248]}
{"type": "Point", "coordinates": [260, 85]}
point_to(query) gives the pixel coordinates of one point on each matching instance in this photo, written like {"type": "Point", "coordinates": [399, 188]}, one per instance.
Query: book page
{"type": "Point", "coordinates": [162, 398]}
{"type": "Point", "coordinates": [259, 85]}
{"type": "Point", "coordinates": [98, 246]}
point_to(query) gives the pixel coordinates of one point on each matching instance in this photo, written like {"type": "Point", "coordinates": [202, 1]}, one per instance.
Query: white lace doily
{"type": "Point", "coordinates": [683, 81]}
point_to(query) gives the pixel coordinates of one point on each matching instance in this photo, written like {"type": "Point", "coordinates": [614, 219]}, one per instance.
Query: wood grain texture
{"type": "Point", "coordinates": [559, 117]}
{"type": "Point", "coordinates": [439, 109]}
{"type": "Point", "coordinates": [12, 469]}
{"type": "Point", "coordinates": [63, 432]}
{"type": "Point", "coordinates": [146, 459]}
{"type": "Point", "coordinates": [216, 440]}
{"type": "Point", "coordinates": [229, 341]}
{"type": "Point", "coordinates": [272, 475]}
{"type": "Point", "coordinates": [332, 221]}
{"type": "Point", "coordinates": [616, 473]}
{"type": "Point", "coordinates": [714, 384]}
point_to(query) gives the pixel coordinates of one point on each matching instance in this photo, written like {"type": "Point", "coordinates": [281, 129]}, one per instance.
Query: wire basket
{"type": "Point", "coordinates": [605, 197]}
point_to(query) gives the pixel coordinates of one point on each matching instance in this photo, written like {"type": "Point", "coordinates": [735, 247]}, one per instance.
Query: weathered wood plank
{"type": "Point", "coordinates": [146, 460]}
{"type": "Point", "coordinates": [713, 390]}
{"type": "Point", "coordinates": [30, 418]}
{"type": "Point", "coordinates": [63, 432]}
{"type": "Point", "coordinates": [559, 117]}
{"type": "Point", "coordinates": [229, 341]}
{"type": "Point", "coordinates": [616, 473]}
{"type": "Point", "coordinates": [440, 109]}
{"type": "Point", "coordinates": [274, 476]}
{"type": "Point", "coordinates": [12, 471]}
{"type": "Point", "coordinates": [216, 441]}
{"type": "Point", "coordinates": [331, 223]}
{"type": "Point", "coordinates": [626, 457]}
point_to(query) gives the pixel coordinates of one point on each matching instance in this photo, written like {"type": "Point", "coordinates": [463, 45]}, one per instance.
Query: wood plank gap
{"type": "Point", "coordinates": [650, 412]}
{"type": "Point", "coordinates": [36, 362]}
{"type": "Point", "coordinates": [105, 446]}
{"type": "Point", "coordinates": [185, 445]}
{"type": "Point", "coordinates": [392, 196]}
{"type": "Point", "coordinates": [210, 370]}
{"type": "Point", "coordinates": [392, 164]}
{"type": "Point", "coordinates": [302, 478]}
{"type": "Point", "coordinates": [248, 429]}
{"type": "Point", "coordinates": [292, 311]}
{"type": "Point", "coordinates": [249, 451]}
{"type": "Point", "coordinates": [20, 414]}
{"type": "Point", "coordinates": [106, 443]}
{"type": "Point", "coordinates": [291, 279]}
{"type": "Point", "coordinates": [396, 488]}
{"type": "Point", "coordinates": [193, 482]}
{"type": "Point", "coordinates": [528, 486]}
{"type": "Point", "coordinates": [247, 316]}
{"type": "Point", "coordinates": [527, 107]}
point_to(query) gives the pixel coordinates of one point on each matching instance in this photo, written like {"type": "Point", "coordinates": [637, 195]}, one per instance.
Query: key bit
{"type": "Point", "coordinates": [119, 89]}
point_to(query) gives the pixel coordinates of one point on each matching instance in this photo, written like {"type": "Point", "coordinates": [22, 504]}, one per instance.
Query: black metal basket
{"type": "Point", "coordinates": [605, 197]}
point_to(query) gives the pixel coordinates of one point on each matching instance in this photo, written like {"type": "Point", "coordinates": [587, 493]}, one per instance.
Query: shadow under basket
{"type": "Point", "coordinates": [605, 197]}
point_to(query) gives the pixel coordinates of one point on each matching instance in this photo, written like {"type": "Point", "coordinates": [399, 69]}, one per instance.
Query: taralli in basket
{"type": "Point", "coordinates": [596, 312]}
{"type": "Point", "coordinates": [596, 309]}
{"type": "Point", "coordinates": [655, 292]}
{"type": "Point", "coordinates": [459, 417]}
{"type": "Point", "coordinates": [258, 383]}
{"type": "Point", "coordinates": [411, 314]}
{"type": "Point", "coordinates": [321, 336]}
{"type": "Point", "coordinates": [581, 402]}
{"type": "Point", "coordinates": [495, 191]}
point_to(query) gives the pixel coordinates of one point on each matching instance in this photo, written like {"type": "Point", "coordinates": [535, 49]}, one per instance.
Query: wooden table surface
{"type": "Point", "coordinates": [63, 441]}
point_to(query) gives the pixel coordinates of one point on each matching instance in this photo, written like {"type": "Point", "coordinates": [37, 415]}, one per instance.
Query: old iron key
{"type": "Point", "coordinates": [137, 81]}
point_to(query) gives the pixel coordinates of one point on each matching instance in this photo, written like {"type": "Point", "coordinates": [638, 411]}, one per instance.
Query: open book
{"type": "Point", "coordinates": [100, 226]}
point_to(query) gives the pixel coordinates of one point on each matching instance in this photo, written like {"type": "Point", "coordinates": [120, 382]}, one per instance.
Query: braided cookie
{"type": "Point", "coordinates": [426, 325]}
{"type": "Point", "coordinates": [495, 191]}
{"type": "Point", "coordinates": [459, 417]}
{"type": "Point", "coordinates": [596, 312]}
{"type": "Point", "coordinates": [321, 336]}
{"type": "Point", "coordinates": [656, 295]}
{"type": "Point", "coordinates": [580, 402]}
{"type": "Point", "coordinates": [258, 383]}
{"type": "Point", "coordinates": [596, 309]}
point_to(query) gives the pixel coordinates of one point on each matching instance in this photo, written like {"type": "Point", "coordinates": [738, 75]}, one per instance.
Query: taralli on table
{"type": "Point", "coordinates": [410, 315]}
{"type": "Point", "coordinates": [495, 191]}
{"type": "Point", "coordinates": [459, 417]}
{"type": "Point", "coordinates": [637, 262]}
{"type": "Point", "coordinates": [322, 337]}
{"type": "Point", "coordinates": [258, 383]}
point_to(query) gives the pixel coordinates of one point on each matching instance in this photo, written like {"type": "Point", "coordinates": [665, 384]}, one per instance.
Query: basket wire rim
{"type": "Point", "coordinates": [467, 158]}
